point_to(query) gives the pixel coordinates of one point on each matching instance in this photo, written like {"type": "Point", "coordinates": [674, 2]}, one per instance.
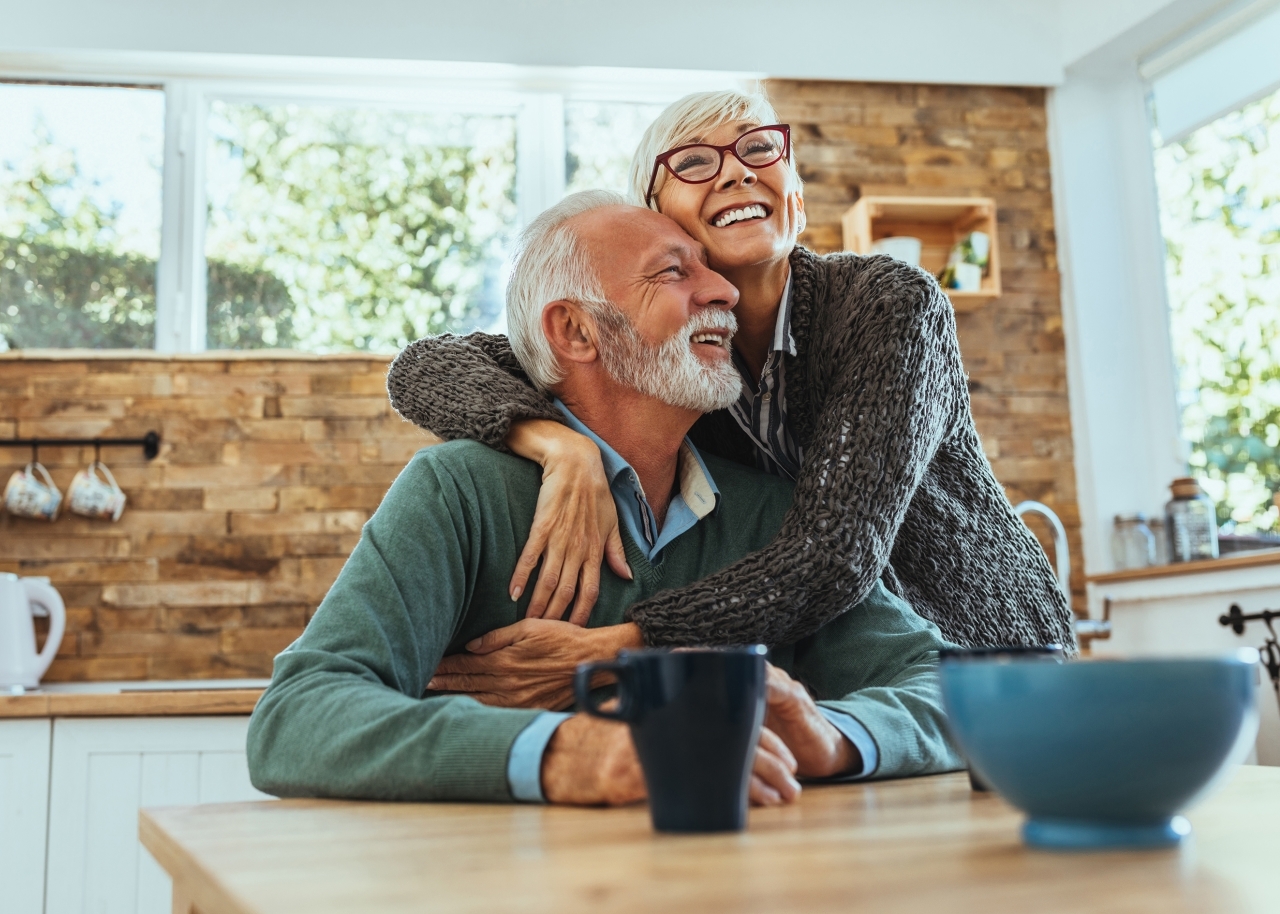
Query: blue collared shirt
{"type": "Point", "coordinates": [696, 496]}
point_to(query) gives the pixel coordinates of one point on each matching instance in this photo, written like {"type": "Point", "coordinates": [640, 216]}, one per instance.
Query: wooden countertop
{"type": "Point", "coordinates": [1226, 563]}
{"type": "Point", "coordinates": [134, 699]}
{"type": "Point", "coordinates": [921, 845]}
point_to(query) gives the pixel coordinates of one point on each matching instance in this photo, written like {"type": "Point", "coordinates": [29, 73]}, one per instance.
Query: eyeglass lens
{"type": "Point", "coordinates": [756, 149]}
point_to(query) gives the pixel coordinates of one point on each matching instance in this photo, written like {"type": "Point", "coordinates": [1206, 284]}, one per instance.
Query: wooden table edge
{"type": "Point", "coordinates": [195, 890]}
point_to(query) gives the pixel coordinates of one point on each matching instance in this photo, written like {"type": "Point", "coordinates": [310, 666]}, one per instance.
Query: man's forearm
{"type": "Point", "coordinates": [322, 729]}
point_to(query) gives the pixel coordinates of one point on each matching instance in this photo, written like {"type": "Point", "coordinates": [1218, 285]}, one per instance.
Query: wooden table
{"type": "Point", "coordinates": [923, 845]}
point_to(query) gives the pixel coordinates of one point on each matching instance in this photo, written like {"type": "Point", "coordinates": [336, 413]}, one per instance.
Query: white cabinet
{"type": "Point", "coordinates": [103, 771]}
{"type": "Point", "coordinates": [24, 806]}
{"type": "Point", "coordinates": [1177, 615]}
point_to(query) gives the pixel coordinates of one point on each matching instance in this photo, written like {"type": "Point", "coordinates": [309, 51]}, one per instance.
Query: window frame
{"type": "Point", "coordinates": [535, 96]}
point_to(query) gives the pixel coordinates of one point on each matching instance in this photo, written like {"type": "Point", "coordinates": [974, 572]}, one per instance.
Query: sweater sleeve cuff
{"type": "Point", "coordinates": [524, 765]}
{"type": "Point", "coordinates": [854, 732]}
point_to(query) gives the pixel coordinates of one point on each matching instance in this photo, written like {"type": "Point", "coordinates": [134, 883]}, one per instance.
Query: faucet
{"type": "Point", "coordinates": [1061, 557]}
{"type": "Point", "coordinates": [1086, 629]}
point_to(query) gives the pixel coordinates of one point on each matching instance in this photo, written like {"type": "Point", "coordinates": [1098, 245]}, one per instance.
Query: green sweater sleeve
{"type": "Point", "coordinates": [879, 665]}
{"type": "Point", "coordinates": [344, 716]}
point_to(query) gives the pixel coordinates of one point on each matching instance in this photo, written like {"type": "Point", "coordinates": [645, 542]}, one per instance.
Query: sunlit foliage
{"type": "Point", "coordinates": [1220, 213]}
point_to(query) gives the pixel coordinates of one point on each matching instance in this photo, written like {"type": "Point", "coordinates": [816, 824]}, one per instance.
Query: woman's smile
{"type": "Point", "coordinates": [746, 216]}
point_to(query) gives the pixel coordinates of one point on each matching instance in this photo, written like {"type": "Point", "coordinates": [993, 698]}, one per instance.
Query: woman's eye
{"type": "Point", "coordinates": [759, 147]}
{"type": "Point", "coordinates": [691, 160]}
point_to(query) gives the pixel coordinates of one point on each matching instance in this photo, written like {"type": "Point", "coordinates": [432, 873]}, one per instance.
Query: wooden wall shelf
{"type": "Point", "coordinates": [938, 222]}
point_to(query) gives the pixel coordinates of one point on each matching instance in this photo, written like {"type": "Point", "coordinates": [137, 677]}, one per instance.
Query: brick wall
{"type": "Point", "coordinates": [270, 465]}
{"type": "Point", "coordinates": [230, 538]}
{"type": "Point", "coordinates": [876, 138]}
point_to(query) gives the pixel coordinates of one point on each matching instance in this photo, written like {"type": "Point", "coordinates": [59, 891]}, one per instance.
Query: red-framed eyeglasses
{"type": "Point", "coordinates": [699, 163]}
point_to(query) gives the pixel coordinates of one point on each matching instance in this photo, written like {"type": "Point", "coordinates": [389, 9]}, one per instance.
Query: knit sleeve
{"type": "Point", "coordinates": [465, 387]}
{"type": "Point", "coordinates": [896, 390]}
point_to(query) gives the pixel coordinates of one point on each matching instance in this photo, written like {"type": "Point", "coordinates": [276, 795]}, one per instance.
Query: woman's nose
{"type": "Point", "coordinates": [734, 172]}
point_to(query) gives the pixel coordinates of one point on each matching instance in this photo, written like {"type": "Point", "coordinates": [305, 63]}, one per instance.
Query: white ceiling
{"type": "Point", "coordinates": [1008, 42]}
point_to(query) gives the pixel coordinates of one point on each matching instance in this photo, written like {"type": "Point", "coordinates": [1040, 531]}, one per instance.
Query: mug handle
{"type": "Point", "coordinates": [582, 689]}
{"type": "Point", "coordinates": [98, 464]}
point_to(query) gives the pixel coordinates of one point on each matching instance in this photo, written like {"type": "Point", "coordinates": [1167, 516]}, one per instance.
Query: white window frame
{"type": "Point", "coordinates": [536, 97]}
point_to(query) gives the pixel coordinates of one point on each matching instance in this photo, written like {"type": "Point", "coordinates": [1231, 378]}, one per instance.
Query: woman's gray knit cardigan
{"type": "Point", "coordinates": [893, 482]}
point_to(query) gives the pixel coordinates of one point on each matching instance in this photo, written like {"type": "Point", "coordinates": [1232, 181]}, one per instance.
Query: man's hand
{"type": "Point", "coordinates": [592, 762]}
{"type": "Point", "coordinates": [773, 781]}
{"type": "Point", "coordinates": [530, 664]}
{"type": "Point", "coordinates": [819, 749]}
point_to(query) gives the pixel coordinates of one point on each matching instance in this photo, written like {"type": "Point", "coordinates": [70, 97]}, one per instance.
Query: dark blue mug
{"type": "Point", "coordinates": [695, 718]}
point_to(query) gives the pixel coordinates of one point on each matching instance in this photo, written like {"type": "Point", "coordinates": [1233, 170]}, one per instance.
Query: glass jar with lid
{"type": "Point", "coordinates": [1133, 545]}
{"type": "Point", "coordinates": [1192, 522]}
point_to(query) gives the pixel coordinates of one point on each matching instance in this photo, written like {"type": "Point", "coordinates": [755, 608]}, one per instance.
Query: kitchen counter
{"type": "Point", "coordinates": [135, 699]}
{"type": "Point", "coordinates": [1233, 562]}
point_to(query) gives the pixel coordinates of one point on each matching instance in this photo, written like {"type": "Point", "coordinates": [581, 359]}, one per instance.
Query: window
{"type": "Point", "coordinates": [255, 203]}
{"type": "Point", "coordinates": [80, 204]}
{"type": "Point", "coordinates": [599, 140]}
{"type": "Point", "coordinates": [337, 228]}
{"type": "Point", "coordinates": [1220, 214]}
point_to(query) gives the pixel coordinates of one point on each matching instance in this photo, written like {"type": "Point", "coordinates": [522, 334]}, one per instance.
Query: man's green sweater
{"type": "Point", "coordinates": [345, 714]}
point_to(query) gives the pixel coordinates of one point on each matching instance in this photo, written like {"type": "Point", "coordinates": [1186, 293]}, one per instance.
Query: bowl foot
{"type": "Point", "coordinates": [1070, 834]}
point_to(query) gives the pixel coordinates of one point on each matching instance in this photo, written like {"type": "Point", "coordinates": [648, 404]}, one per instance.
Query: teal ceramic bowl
{"type": "Point", "coordinates": [1103, 753]}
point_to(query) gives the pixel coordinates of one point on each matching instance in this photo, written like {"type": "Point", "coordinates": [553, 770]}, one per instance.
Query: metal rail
{"type": "Point", "coordinates": [150, 443]}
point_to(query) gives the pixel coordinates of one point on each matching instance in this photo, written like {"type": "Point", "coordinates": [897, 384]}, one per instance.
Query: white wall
{"type": "Point", "coordinates": [1012, 42]}
{"type": "Point", "coordinates": [1222, 77]}
{"type": "Point", "coordinates": [1088, 25]}
{"type": "Point", "coordinates": [1120, 371]}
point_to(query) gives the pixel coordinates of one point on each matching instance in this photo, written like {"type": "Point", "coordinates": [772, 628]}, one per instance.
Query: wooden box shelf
{"type": "Point", "coordinates": [939, 222]}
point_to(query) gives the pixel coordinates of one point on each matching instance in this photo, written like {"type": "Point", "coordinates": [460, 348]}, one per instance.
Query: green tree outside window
{"type": "Point", "coordinates": [1220, 214]}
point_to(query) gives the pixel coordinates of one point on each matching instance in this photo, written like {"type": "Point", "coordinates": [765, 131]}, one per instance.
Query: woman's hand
{"type": "Point", "coordinates": [530, 664]}
{"type": "Point", "coordinates": [575, 524]}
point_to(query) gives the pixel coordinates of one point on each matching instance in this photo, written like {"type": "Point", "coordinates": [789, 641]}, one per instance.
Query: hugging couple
{"type": "Point", "coordinates": [698, 433]}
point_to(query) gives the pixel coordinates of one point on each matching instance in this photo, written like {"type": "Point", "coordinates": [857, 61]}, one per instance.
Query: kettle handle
{"type": "Point", "coordinates": [44, 596]}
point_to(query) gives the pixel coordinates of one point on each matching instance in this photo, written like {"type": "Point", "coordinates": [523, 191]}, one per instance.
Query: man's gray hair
{"type": "Point", "coordinates": [551, 265]}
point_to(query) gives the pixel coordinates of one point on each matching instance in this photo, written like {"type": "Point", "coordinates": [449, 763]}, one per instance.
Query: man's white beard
{"type": "Point", "coordinates": [669, 372]}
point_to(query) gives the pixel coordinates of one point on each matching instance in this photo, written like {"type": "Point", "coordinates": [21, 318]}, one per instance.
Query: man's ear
{"type": "Point", "coordinates": [570, 331]}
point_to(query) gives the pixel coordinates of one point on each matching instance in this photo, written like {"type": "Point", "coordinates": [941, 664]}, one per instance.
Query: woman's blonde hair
{"type": "Point", "coordinates": [688, 120]}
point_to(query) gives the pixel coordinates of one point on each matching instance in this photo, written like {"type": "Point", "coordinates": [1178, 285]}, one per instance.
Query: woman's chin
{"type": "Point", "coordinates": [729, 254]}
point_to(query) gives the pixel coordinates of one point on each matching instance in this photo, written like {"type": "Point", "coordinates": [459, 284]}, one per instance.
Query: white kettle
{"type": "Point", "coordinates": [20, 665]}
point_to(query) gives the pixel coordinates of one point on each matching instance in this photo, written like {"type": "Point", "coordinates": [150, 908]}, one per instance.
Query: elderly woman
{"type": "Point", "coordinates": [853, 387]}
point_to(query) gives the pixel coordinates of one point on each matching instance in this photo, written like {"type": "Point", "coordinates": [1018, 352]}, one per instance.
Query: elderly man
{"type": "Point", "coordinates": [618, 315]}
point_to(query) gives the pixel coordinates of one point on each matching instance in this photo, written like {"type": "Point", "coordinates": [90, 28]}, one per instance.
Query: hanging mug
{"type": "Point", "coordinates": [90, 496]}
{"type": "Point", "coordinates": [27, 496]}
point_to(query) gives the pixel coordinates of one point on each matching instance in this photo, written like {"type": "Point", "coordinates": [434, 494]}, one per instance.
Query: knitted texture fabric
{"type": "Point", "coordinates": [893, 483]}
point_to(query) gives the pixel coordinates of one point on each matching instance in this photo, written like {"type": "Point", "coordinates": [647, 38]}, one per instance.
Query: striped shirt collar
{"type": "Point", "coordinates": [696, 494]}
{"type": "Point", "coordinates": [783, 341]}
{"type": "Point", "coordinates": [761, 408]}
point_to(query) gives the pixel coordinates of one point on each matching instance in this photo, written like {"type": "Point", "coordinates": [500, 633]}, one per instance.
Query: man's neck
{"type": "Point", "coordinates": [645, 432]}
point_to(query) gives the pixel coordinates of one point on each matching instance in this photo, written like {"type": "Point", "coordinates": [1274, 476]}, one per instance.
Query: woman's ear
{"type": "Point", "coordinates": [570, 332]}
{"type": "Point", "coordinates": [802, 221]}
